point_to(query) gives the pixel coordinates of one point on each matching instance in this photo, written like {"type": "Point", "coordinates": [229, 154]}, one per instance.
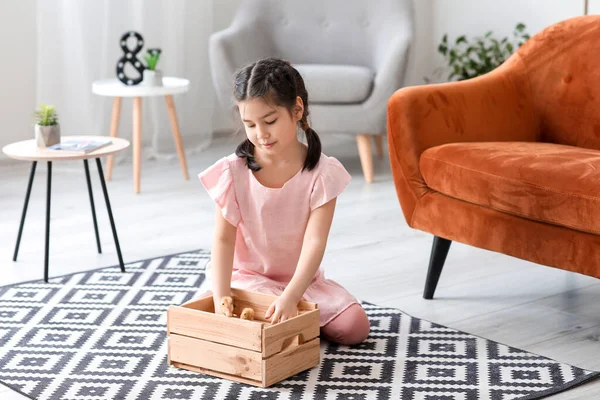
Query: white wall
{"type": "Point", "coordinates": [17, 69]}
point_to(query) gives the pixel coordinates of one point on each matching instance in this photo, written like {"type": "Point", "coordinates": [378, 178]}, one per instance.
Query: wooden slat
{"type": "Point", "coordinates": [258, 301]}
{"type": "Point", "coordinates": [218, 374]}
{"type": "Point", "coordinates": [169, 361]}
{"type": "Point", "coordinates": [274, 336]}
{"type": "Point", "coordinates": [307, 305]}
{"type": "Point", "coordinates": [216, 357]}
{"type": "Point", "coordinates": [168, 324]}
{"type": "Point", "coordinates": [259, 310]}
{"type": "Point", "coordinates": [204, 304]}
{"type": "Point", "coordinates": [265, 300]}
{"type": "Point", "coordinates": [290, 362]}
{"type": "Point", "coordinates": [215, 328]}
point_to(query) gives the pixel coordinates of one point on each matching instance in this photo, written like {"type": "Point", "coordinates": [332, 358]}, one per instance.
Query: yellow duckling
{"type": "Point", "coordinates": [247, 313]}
{"type": "Point", "coordinates": [227, 306]}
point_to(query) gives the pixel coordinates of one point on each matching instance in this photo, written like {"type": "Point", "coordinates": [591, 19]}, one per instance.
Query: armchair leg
{"type": "Point", "coordinates": [439, 251]}
{"type": "Point", "coordinates": [366, 156]}
{"type": "Point", "coordinates": [378, 139]}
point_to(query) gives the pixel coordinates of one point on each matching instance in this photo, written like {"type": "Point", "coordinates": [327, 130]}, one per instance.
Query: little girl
{"type": "Point", "coordinates": [275, 202]}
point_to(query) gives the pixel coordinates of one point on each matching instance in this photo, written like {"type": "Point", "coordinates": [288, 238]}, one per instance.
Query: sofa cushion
{"type": "Point", "coordinates": [336, 83]}
{"type": "Point", "coordinates": [551, 183]}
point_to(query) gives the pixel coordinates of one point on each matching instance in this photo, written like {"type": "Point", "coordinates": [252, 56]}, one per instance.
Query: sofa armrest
{"type": "Point", "coordinates": [494, 107]}
{"type": "Point", "coordinates": [392, 44]}
{"type": "Point", "coordinates": [391, 70]}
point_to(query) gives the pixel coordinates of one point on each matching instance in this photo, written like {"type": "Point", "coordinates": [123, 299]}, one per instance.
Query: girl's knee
{"type": "Point", "coordinates": [360, 327]}
{"type": "Point", "coordinates": [350, 327]}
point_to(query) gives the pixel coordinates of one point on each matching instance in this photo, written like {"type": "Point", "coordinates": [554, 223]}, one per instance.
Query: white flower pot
{"type": "Point", "coordinates": [47, 135]}
{"type": "Point", "coordinates": [152, 78]}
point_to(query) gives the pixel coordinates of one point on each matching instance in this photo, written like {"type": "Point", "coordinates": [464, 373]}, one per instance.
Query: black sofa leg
{"type": "Point", "coordinates": [439, 251]}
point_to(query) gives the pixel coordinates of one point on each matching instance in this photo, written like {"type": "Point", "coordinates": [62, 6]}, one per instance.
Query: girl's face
{"type": "Point", "coordinates": [270, 128]}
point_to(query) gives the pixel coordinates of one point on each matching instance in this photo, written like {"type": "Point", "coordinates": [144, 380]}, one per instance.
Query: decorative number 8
{"type": "Point", "coordinates": [129, 56]}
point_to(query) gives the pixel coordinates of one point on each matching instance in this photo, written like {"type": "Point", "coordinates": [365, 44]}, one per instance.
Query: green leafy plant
{"type": "Point", "coordinates": [46, 115]}
{"type": "Point", "coordinates": [152, 58]}
{"type": "Point", "coordinates": [468, 59]}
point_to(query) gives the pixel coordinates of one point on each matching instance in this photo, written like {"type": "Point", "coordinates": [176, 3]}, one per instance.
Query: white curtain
{"type": "Point", "coordinates": [78, 42]}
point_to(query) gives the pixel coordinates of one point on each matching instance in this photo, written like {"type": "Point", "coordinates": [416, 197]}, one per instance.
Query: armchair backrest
{"type": "Point", "coordinates": [327, 31]}
{"type": "Point", "coordinates": [563, 67]}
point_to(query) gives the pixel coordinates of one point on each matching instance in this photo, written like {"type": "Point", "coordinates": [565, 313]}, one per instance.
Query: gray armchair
{"type": "Point", "coordinates": [351, 54]}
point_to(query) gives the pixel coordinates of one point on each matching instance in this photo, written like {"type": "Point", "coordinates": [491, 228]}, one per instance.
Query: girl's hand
{"type": "Point", "coordinates": [282, 309]}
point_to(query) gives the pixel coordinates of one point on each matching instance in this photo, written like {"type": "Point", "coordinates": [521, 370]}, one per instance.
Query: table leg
{"type": "Point", "coordinates": [48, 195]}
{"type": "Point", "coordinates": [110, 215]}
{"type": "Point", "coordinates": [137, 142]}
{"type": "Point", "coordinates": [27, 194]}
{"type": "Point", "coordinates": [177, 135]}
{"type": "Point", "coordinates": [114, 127]}
{"type": "Point", "coordinates": [89, 185]}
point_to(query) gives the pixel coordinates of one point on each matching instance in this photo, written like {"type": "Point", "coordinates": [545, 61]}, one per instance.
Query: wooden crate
{"type": "Point", "coordinates": [253, 352]}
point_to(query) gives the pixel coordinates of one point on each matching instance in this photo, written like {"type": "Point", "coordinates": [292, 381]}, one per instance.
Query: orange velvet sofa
{"type": "Point", "coordinates": [508, 161]}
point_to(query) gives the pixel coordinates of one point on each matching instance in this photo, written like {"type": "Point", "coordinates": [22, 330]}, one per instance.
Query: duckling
{"type": "Point", "coordinates": [227, 306]}
{"type": "Point", "coordinates": [247, 313]}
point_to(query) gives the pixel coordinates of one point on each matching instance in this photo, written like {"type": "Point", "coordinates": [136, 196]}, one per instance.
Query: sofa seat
{"type": "Point", "coordinates": [336, 84]}
{"type": "Point", "coordinates": [551, 183]}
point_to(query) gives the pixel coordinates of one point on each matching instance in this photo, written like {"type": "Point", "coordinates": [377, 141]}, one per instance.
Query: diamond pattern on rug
{"type": "Point", "coordinates": [30, 385]}
{"type": "Point", "coordinates": [34, 362]}
{"type": "Point", "coordinates": [26, 294]}
{"type": "Point", "coordinates": [113, 364]}
{"type": "Point", "coordinates": [6, 334]}
{"type": "Point", "coordinates": [112, 277]}
{"type": "Point", "coordinates": [354, 371]}
{"type": "Point", "coordinates": [80, 389]}
{"type": "Point", "coordinates": [18, 314]}
{"type": "Point", "coordinates": [122, 340]}
{"type": "Point", "coordinates": [52, 337]}
{"type": "Point", "coordinates": [102, 335]}
{"type": "Point", "coordinates": [374, 347]}
{"type": "Point", "coordinates": [73, 316]}
{"type": "Point", "coordinates": [181, 390]}
{"type": "Point", "coordinates": [94, 295]}
{"type": "Point", "coordinates": [142, 317]}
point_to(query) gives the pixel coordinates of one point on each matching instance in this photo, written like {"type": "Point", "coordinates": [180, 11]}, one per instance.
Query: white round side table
{"type": "Point", "coordinates": [116, 89]}
{"type": "Point", "coordinates": [28, 150]}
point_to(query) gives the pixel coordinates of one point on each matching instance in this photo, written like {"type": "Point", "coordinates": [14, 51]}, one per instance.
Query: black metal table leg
{"type": "Point", "coordinates": [110, 216]}
{"type": "Point", "coordinates": [48, 195]}
{"type": "Point", "coordinates": [27, 194]}
{"type": "Point", "coordinates": [90, 192]}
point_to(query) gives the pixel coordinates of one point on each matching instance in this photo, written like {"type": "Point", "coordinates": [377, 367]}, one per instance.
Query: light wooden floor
{"type": "Point", "coordinates": [371, 251]}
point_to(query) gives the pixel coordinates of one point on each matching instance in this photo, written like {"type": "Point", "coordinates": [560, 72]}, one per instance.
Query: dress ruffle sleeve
{"type": "Point", "coordinates": [331, 182]}
{"type": "Point", "coordinates": [218, 182]}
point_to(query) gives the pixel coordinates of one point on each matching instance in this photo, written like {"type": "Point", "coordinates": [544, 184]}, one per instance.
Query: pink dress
{"type": "Point", "coordinates": [271, 224]}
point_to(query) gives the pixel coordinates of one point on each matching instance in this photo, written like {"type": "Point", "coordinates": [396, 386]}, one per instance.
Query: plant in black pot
{"type": "Point", "coordinates": [467, 58]}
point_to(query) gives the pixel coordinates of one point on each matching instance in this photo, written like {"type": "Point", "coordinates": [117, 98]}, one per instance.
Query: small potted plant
{"type": "Point", "coordinates": [47, 129]}
{"type": "Point", "coordinates": [152, 76]}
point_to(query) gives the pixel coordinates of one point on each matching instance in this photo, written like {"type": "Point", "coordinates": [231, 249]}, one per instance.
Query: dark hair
{"type": "Point", "coordinates": [278, 83]}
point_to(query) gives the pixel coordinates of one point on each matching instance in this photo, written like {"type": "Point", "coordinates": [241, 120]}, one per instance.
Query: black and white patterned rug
{"type": "Point", "coordinates": [101, 335]}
